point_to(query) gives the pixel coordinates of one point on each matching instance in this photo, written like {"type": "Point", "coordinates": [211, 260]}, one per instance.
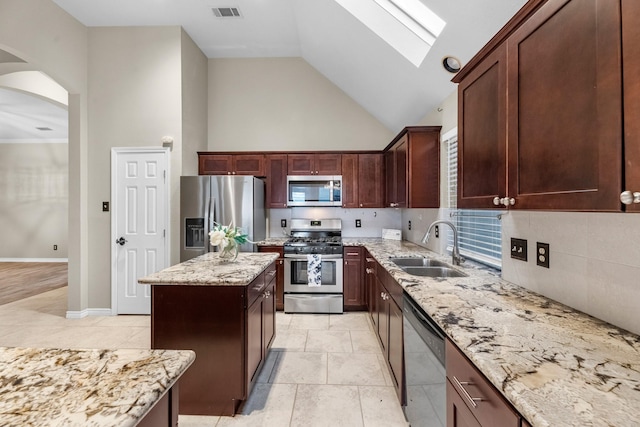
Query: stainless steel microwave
{"type": "Point", "coordinates": [314, 190]}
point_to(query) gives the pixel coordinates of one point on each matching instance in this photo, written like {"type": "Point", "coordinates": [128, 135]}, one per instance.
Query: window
{"type": "Point", "coordinates": [479, 231]}
{"type": "Point", "coordinates": [408, 26]}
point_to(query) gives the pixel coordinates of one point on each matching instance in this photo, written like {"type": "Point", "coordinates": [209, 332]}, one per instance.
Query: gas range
{"type": "Point", "coordinates": [314, 236]}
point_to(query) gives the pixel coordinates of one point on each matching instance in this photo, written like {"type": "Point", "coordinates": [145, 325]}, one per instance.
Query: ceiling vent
{"type": "Point", "coordinates": [227, 12]}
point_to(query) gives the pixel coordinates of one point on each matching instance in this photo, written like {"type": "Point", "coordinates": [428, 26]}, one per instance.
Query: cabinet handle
{"type": "Point", "coordinates": [393, 205]}
{"type": "Point", "coordinates": [465, 393]}
{"type": "Point", "coordinates": [369, 259]}
{"type": "Point", "coordinates": [506, 201]}
{"type": "Point", "coordinates": [369, 270]}
{"type": "Point", "coordinates": [280, 261]}
{"type": "Point", "coordinates": [360, 204]}
{"type": "Point", "coordinates": [627, 197]}
{"type": "Point", "coordinates": [352, 254]}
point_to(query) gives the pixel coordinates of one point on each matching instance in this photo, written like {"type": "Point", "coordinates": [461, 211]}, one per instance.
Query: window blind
{"type": "Point", "coordinates": [479, 231]}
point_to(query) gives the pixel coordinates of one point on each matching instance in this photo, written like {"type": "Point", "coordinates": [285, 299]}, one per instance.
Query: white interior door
{"type": "Point", "coordinates": [139, 225]}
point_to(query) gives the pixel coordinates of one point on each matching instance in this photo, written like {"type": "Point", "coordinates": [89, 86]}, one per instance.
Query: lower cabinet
{"type": "Point", "coordinates": [471, 399]}
{"type": "Point", "coordinates": [164, 412]}
{"type": "Point", "coordinates": [279, 292]}
{"type": "Point", "coordinates": [230, 328]}
{"type": "Point", "coordinates": [353, 278]}
{"type": "Point", "coordinates": [389, 327]}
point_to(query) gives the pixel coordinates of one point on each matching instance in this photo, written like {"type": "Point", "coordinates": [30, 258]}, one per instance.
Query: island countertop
{"type": "Point", "coordinates": [556, 365]}
{"type": "Point", "coordinates": [62, 387]}
{"type": "Point", "coordinates": [209, 270]}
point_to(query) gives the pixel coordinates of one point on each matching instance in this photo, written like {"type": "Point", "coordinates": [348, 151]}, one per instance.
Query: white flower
{"type": "Point", "coordinates": [218, 237]}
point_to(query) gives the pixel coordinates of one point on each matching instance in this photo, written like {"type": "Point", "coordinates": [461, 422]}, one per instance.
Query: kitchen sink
{"type": "Point", "coordinates": [433, 271]}
{"type": "Point", "coordinates": [417, 262]}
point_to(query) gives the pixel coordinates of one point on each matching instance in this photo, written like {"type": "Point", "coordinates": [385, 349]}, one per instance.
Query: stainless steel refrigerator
{"type": "Point", "coordinates": [222, 199]}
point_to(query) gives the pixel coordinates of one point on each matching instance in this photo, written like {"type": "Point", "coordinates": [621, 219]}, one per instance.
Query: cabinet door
{"type": "Point", "coordinates": [372, 291]}
{"type": "Point", "coordinates": [564, 114]}
{"type": "Point", "coordinates": [350, 181]}
{"type": "Point", "coordinates": [423, 169]}
{"type": "Point", "coordinates": [301, 164]}
{"type": "Point", "coordinates": [482, 133]}
{"type": "Point", "coordinates": [276, 165]}
{"type": "Point", "coordinates": [248, 164]}
{"type": "Point", "coordinates": [396, 348]}
{"type": "Point", "coordinates": [382, 306]}
{"type": "Point", "coordinates": [390, 178]}
{"type": "Point", "coordinates": [279, 284]}
{"type": "Point", "coordinates": [353, 284]}
{"type": "Point", "coordinates": [370, 180]}
{"type": "Point", "coordinates": [215, 164]}
{"type": "Point", "coordinates": [255, 339]}
{"type": "Point", "coordinates": [458, 415]}
{"type": "Point", "coordinates": [401, 167]}
{"type": "Point", "coordinates": [328, 164]}
{"type": "Point", "coordinates": [631, 71]}
{"type": "Point", "coordinates": [269, 317]}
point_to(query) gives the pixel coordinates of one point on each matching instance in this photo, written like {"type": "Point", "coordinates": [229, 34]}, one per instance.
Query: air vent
{"type": "Point", "coordinates": [43, 128]}
{"type": "Point", "coordinates": [227, 12]}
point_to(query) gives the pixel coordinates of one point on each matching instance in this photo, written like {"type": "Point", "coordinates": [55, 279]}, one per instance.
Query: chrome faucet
{"type": "Point", "coordinates": [455, 254]}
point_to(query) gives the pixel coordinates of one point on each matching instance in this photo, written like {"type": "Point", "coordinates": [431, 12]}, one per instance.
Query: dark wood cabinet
{"type": "Point", "coordinates": [276, 181]}
{"type": "Point", "coordinates": [562, 127]}
{"type": "Point", "coordinates": [371, 288]}
{"type": "Point", "coordinates": [565, 127]}
{"type": "Point", "coordinates": [279, 292]}
{"type": "Point", "coordinates": [353, 278]}
{"type": "Point", "coordinates": [362, 180]}
{"type": "Point", "coordinates": [231, 164]}
{"type": "Point", "coordinates": [390, 329]}
{"type": "Point", "coordinates": [315, 164]}
{"type": "Point", "coordinates": [412, 168]}
{"type": "Point", "coordinates": [230, 328]}
{"type": "Point", "coordinates": [631, 90]}
{"type": "Point", "coordinates": [482, 133]}
{"type": "Point", "coordinates": [465, 382]}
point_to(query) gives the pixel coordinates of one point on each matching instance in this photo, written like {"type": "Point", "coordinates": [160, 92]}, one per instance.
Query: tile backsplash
{"type": "Point", "coordinates": [594, 258]}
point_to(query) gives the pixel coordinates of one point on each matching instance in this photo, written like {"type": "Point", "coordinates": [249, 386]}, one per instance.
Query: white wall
{"type": "Point", "coordinates": [136, 99]}
{"type": "Point", "coordinates": [34, 198]}
{"type": "Point", "coordinates": [283, 104]}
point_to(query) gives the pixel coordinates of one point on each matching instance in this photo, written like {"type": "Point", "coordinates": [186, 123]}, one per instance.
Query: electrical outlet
{"type": "Point", "coordinates": [283, 223]}
{"type": "Point", "coordinates": [542, 254]}
{"type": "Point", "coordinates": [358, 223]}
{"type": "Point", "coordinates": [436, 231]}
{"type": "Point", "coordinates": [55, 247]}
{"type": "Point", "coordinates": [519, 249]}
{"type": "Point", "coordinates": [409, 225]}
{"type": "Point", "coordinates": [105, 206]}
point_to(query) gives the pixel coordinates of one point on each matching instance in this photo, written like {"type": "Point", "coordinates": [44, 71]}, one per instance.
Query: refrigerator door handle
{"type": "Point", "coordinates": [209, 216]}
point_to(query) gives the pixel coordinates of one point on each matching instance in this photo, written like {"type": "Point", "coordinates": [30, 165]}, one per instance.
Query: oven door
{"type": "Point", "coordinates": [296, 279]}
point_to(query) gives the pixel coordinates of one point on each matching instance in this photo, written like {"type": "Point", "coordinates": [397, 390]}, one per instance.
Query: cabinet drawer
{"type": "Point", "coordinates": [469, 383]}
{"type": "Point", "coordinates": [260, 283]}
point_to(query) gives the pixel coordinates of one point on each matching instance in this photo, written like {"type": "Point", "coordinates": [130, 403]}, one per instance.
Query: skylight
{"type": "Point", "coordinates": [408, 26]}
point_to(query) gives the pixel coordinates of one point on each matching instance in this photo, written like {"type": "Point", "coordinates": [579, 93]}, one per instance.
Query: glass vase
{"type": "Point", "coordinates": [229, 253]}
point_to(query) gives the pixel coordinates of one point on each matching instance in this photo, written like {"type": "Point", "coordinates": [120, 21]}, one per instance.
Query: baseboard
{"type": "Point", "coordinates": [34, 259]}
{"type": "Point", "coordinates": [89, 312]}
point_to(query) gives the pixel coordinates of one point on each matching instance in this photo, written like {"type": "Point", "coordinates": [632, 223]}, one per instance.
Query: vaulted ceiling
{"type": "Point", "coordinates": [328, 37]}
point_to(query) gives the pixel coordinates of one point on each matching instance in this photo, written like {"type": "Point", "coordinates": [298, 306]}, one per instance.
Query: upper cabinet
{"type": "Point", "coordinates": [540, 111]}
{"type": "Point", "coordinates": [315, 164]}
{"type": "Point", "coordinates": [231, 164]}
{"type": "Point", "coordinates": [362, 180]}
{"type": "Point", "coordinates": [412, 168]}
{"type": "Point", "coordinates": [276, 183]}
{"type": "Point", "coordinates": [631, 88]}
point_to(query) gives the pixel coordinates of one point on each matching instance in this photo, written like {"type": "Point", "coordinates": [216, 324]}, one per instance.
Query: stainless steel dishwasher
{"type": "Point", "coordinates": [425, 373]}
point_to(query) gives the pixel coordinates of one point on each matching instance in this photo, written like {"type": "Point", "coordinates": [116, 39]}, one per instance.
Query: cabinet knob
{"type": "Point", "coordinates": [497, 201]}
{"type": "Point", "coordinates": [627, 197]}
{"type": "Point", "coordinates": [506, 201]}
{"type": "Point", "coordinates": [360, 204]}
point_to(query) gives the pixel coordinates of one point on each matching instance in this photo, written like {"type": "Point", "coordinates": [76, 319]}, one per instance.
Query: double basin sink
{"type": "Point", "coordinates": [426, 267]}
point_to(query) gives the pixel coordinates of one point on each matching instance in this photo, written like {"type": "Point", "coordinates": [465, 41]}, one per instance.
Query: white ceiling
{"type": "Point", "coordinates": [330, 39]}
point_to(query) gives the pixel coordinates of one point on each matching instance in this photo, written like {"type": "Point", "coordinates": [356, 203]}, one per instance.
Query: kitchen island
{"type": "Point", "coordinates": [225, 312]}
{"type": "Point", "coordinates": [556, 365]}
{"type": "Point", "coordinates": [63, 387]}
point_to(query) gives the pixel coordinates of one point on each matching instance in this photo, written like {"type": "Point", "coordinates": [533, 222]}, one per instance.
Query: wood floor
{"type": "Point", "coordinates": [19, 280]}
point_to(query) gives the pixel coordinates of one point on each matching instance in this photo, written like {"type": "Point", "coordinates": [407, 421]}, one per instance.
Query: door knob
{"type": "Point", "coordinates": [121, 241]}
{"type": "Point", "coordinates": [627, 197]}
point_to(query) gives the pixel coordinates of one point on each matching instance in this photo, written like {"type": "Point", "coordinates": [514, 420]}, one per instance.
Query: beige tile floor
{"type": "Point", "coordinates": [323, 370]}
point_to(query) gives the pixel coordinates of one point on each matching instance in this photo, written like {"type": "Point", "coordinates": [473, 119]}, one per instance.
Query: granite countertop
{"type": "Point", "coordinates": [56, 387]}
{"type": "Point", "coordinates": [209, 270]}
{"type": "Point", "coordinates": [273, 241]}
{"type": "Point", "coordinates": [556, 365]}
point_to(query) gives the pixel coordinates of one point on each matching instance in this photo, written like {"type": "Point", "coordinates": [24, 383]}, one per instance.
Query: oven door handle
{"type": "Point", "coordinates": [322, 257]}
